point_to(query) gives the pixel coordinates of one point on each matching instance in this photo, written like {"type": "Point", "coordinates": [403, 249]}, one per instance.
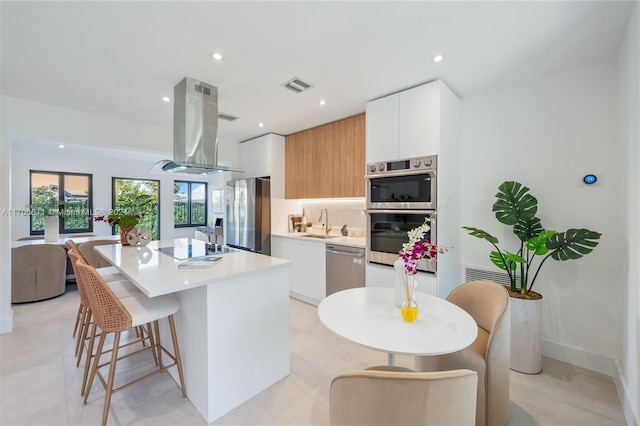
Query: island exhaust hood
{"type": "Point", "coordinates": [195, 130]}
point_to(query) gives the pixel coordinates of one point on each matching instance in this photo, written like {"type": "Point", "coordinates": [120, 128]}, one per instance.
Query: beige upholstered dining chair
{"type": "Point", "coordinates": [91, 256]}
{"type": "Point", "coordinates": [488, 304]}
{"type": "Point", "coordinates": [396, 397]}
{"type": "Point", "coordinates": [33, 237]}
{"type": "Point", "coordinates": [38, 272]}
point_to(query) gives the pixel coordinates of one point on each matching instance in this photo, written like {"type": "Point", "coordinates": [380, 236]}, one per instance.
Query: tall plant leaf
{"type": "Point", "coordinates": [510, 260]}
{"type": "Point", "coordinates": [538, 244]}
{"type": "Point", "coordinates": [572, 244]}
{"type": "Point", "coordinates": [527, 229]}
{"type": "Point", "coordinates": [514, 203]}
{"type": "Point", "coordinates": [479, 233]}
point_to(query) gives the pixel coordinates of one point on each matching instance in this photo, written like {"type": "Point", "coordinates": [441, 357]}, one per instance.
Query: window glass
{"type": "Point", "coordinates": [139, 197]}
{"type": "Point", "coordinates": [67, 195]}
{"type": "Point", "coordinates": [189, 203]}
{"type": "Point", "coordinates": [198, 203]}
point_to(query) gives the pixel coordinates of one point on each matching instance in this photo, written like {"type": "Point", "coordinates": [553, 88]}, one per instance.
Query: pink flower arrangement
{"type": "Point", "coordinates": [418, 248]}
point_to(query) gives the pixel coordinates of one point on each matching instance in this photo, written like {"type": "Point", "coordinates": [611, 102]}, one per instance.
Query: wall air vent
{"type": "Point", "coordinates": [296, 85]}
{"type": "Point", "coordinates": [474, 273]}
{"type": "Point", "coordinates": [228, 117]}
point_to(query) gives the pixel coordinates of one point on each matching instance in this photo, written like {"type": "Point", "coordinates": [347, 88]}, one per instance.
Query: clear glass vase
{"type": "Point", "coordinates": [409, 307]}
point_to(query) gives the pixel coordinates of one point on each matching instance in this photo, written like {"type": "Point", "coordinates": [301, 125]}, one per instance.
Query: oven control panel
{"type": "Point", "coordinates": [428, 162]}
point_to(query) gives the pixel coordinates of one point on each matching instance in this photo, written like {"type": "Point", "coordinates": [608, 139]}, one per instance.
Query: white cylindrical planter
{"type": "Point", "coordinates": [526, 335]}
{"type": "Point", "coordinates": [51, 229]}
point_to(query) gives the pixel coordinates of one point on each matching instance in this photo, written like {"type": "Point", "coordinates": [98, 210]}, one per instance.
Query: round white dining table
{"type": "Point", "coordinates": [368, 316]}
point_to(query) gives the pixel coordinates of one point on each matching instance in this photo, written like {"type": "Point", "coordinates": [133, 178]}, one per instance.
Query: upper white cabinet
{"type": "Point", "coordinates": [256, 158]}
{"type": "Point", "coordinates": [405, 124]}
{"type": "Point", "coordinates": [382, 129]}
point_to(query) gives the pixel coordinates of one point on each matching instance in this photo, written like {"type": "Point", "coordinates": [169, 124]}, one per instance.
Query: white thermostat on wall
{"type": "Point", "coordinates": [590, 179]}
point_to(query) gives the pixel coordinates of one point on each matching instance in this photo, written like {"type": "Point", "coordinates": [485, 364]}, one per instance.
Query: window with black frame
{"type": "Point", "coordinates": [63, 194]}
{"type": "Point", "coordinates": [140, 197]}
{"type": "Point", "coordinates": [189, 203]}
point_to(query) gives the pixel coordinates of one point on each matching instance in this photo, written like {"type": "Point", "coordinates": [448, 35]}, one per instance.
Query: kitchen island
{"type": "Point", "coordinates": [233, 322]}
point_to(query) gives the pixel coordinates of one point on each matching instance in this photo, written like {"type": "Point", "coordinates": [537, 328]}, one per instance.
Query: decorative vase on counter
{"type": "Point", "coordinates": [51, 227]}
{"type": "Point", "coordinates": [124, 232]}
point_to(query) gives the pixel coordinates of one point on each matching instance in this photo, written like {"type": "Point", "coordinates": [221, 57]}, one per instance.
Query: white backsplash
{"type": "Point", "coordinates": [341, 212]}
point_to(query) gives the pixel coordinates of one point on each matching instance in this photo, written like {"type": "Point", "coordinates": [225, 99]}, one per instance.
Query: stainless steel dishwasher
{"type": "Point", "coordinates": [344, 267]}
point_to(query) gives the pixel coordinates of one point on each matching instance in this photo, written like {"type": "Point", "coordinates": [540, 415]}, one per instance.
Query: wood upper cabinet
{"type": "Point", "coordinates": [326, 161]}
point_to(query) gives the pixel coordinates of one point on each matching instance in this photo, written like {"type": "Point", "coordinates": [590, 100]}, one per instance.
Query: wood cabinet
{"type": "Point", "coordinates": [326, 161]}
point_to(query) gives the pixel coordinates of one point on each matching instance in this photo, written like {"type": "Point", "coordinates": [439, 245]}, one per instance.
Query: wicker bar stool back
{"type": "Point", "coordinates": [113, 315]}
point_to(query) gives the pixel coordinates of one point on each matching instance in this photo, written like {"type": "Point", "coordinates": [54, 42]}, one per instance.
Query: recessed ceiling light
{"type": "Point", "coordinates": [260, 124]}
{"type": "Point", "coordinates": [438, 58]}
{"type": "Point", "coordinates": [322, 102]}
{"type": "Point", "coordinates": [217, 56]}
{"type": "Point", "coordinates": [60, 146]}
{"type": "Point", "coordinates": [166, 99]}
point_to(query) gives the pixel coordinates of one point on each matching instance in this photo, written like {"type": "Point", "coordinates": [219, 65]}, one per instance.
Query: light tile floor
{"type": "Point", "coordinates": [40, 385]}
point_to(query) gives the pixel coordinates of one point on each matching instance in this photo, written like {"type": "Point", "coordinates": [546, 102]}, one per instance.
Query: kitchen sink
{"type": "Point", "coordinates": [321, 236]}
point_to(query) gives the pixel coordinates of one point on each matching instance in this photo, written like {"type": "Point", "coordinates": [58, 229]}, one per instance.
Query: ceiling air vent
{"type": "Point", "coordinates": [228, 117]}
{"type": "Point", "coordinates": [296, 85]}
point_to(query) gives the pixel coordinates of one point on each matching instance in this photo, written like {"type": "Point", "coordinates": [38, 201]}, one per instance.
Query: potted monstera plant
{"type": "Point", "coordinates": [516, 207]}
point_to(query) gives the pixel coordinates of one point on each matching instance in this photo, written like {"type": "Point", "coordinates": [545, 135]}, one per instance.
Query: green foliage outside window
{"type": "Point", "coordinates": [138, 197]}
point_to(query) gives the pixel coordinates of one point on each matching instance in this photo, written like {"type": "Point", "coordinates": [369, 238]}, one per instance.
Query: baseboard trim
{"type": "Point", "coordinates": [579, 357]}
{"type": "Point", "coordinates": [595, 362]}
{"type": "Point", "coordinates": [6, 324]}
{"type": "Point", "coordinates": [630, 412]}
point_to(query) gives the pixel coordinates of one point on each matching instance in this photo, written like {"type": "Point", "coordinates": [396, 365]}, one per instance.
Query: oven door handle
{"type": "Point", "coordinates": [426, 212]}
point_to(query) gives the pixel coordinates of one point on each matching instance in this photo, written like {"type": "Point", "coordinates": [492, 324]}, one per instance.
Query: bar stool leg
{"type": "Point", "coordinates": [110, 380]}
{"type": "Point", "coordinates": [82, 335]}
{"type": "Point", "coordinates": [176, 353]}
{"type": "Point", "coordinates": [78, 316]}
{"type": "Point", "coordinates": [94, 366]}
{"type": "Point", "coordinates": [156, 327]}
{"type": "Point", "coordinates": [87, 363]}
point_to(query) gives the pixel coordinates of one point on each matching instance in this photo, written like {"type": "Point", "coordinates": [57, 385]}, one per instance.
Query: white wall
{"type": "Point", "coordinates": [547, 133]}
{"type": "Point", "coordinates": [629, 111]}
{"type": "Point", "coordinates": [27, 125]}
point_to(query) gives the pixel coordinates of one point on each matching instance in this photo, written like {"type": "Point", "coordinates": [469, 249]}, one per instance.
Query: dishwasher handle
{"type": "Point", "coordinates": [353, 252]}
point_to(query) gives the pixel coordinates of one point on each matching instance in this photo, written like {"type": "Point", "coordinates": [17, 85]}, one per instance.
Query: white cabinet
{"type": "Point", "coordinates": [382, 129]}
{"type": "Point", "coordinates": [286, 248]}
{"type": "Point", "coordinates": [307, 279]}
{"type": "Point", "coordinates": [424, 120]}
{"type": "Point", "coordinates": [314, 275]}
{"type": "Point", "coordinates": [255, 157]}
{"type": "Point", "coordinates": [403, 125]}
{"type": "Point", "coordinates": [418, 121]}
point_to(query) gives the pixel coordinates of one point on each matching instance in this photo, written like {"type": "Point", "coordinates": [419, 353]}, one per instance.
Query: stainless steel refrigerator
{"type": "Point", "coordinates": [248, 214]}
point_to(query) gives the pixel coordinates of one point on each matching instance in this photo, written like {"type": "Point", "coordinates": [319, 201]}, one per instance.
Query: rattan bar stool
{"type": "Point", "coordinates": [121, 288]}
{"type": "Point", "coordinates": [109, 274]}
{"type": "Point", "coordinates": [113, 315]}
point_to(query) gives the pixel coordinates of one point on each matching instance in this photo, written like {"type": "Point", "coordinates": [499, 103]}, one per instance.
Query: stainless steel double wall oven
{"type": "Point", "coordinates": [400, 194]}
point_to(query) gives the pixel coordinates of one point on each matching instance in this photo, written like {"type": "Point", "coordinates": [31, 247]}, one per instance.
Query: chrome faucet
{"type": "Point", "coordinates": [327, 226]}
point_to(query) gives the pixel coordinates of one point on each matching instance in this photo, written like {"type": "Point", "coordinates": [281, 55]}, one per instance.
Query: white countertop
{"type": "Point", "coordinates": [156, 273]}
{"type": "Point", "coordinates": [359, 242]}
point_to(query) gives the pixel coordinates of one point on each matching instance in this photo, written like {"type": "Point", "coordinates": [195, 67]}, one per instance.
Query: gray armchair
{"type": "Point", "coordinates": [38, 272]}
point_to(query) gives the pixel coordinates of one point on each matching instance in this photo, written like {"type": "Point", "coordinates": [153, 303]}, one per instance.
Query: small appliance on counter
{"type": "Point", "coordinates": [295, 223]}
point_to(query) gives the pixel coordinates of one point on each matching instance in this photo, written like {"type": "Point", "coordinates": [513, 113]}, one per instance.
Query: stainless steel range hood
{"type": "Point", "coordinates": [195, 130]}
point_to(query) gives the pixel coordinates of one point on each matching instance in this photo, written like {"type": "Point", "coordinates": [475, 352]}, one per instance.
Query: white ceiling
{"type": "Point", "coordinates": [121, 58]}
